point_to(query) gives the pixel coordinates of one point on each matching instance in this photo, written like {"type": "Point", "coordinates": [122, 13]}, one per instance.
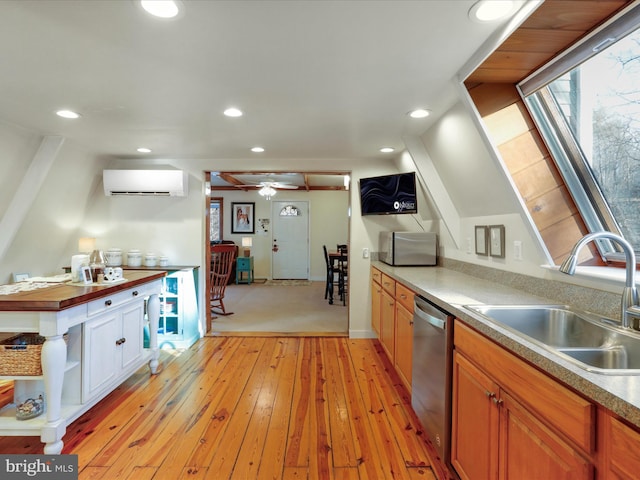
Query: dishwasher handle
{"type": "Point", "coordinates": [436, 322]}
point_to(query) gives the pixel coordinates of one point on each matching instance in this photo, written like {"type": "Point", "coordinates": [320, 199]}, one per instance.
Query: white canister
{"type": "Point", "coordinates": [163, 261]}
{"type": "Point", "coordinates": [134, 258]}
{"type": "Point", "coordinates": [113, 257]}
{"type": "Point", "coordinates": [150, 260]}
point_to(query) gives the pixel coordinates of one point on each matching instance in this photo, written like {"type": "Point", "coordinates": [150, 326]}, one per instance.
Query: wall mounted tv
{"type": "Point", "coordinates": [389, 194]}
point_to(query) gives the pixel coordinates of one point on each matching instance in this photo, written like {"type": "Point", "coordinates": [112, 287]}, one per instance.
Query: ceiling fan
{"type": "Point", "coordinates": [269, 186]}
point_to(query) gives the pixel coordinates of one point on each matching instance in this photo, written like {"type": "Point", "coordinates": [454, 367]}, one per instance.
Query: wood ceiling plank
{"type": "Point", "coordinates": [573, 15]}
{"type": "Point", "coordinates": [552, 28]}
{"type": "Point", "coordinates": [541, 41]}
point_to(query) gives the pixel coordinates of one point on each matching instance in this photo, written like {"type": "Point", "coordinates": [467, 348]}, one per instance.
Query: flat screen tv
{"type": "Point", "coordinates": [389, 194]}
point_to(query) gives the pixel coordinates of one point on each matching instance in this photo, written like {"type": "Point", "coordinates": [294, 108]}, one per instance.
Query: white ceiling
{"type": "Point", "coordinates": [316, 79]}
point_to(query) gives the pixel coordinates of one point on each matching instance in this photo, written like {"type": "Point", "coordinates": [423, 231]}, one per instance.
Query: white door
{"type": "Point", "coordinates": [290, 241]}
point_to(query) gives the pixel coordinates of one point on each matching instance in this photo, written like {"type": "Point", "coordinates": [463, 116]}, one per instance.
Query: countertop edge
{"type": "Point", "coordinates": [60, 297]}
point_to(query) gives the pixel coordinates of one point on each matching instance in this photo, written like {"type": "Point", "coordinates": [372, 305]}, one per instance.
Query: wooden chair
{"type": "Point", "coordinates": [331, 276]}
{"type": "Point", "coordinates": [343, 272]}
{"type": "Point", "coordinates": [222, 258]}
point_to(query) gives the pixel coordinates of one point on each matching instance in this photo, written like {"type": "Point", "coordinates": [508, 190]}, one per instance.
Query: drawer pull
{"type": "Point", "coordinates": [120, 341]}
{"type": "Point", "coordinates": [108, 303]}
{"type": "Point", "coordinates": [134, 293]}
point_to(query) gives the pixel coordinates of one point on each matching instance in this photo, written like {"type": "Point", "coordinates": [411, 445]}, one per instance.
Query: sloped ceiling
{"type": "Point", "coordinates": [315, 79]}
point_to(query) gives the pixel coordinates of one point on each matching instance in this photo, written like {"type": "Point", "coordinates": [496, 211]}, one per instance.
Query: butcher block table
{"type": "Point", "coordinates": [94, 340]}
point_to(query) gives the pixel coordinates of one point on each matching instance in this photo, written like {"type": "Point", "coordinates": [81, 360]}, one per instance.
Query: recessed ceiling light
{"type": "Point", "coordinates": [161, 8]}
{"type": "Point", "coordinates": [386, 149]}
{"type": "Point", "coordinates": [233, 112]}
{"type": "Point", "coordinates": [67, 114]}
{"type": "Point", "coordinates": [143, 150]}
{"type": "Point", "coordinates": [257, 149]}
{"type": "Point", "coordinates": [490, 10]}
{"type": "Point", "coordinates": [419, 113]}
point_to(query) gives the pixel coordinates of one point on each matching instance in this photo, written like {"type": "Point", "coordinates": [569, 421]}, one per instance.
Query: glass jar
{"type": "Point", "coordinates": [96, 264]}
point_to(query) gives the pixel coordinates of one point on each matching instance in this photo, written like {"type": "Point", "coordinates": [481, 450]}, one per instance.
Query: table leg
{"type": "Point", "coordinates": [153, 312]}
{"type": "Point", "coordinates": [54, 359]}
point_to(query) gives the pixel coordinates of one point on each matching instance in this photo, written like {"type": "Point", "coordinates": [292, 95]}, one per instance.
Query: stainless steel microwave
{"type": "Point", "coordinates": [408, 248]}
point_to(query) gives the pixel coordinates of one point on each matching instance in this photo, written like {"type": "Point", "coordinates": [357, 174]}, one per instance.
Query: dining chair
{"type": "Point", "coordinates": [343, 271]}
{"type": "Point", "coordinates": [331, 276]}
{"type": "Point", "coordinates": [222, 259]}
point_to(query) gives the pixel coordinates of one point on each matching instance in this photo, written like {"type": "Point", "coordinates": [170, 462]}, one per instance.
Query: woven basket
{"type": "Point", "coordinates": [20, 355]}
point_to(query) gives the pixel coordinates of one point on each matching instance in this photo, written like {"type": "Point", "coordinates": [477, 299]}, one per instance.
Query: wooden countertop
{"type": "Point", "coordinates": [61, 296]}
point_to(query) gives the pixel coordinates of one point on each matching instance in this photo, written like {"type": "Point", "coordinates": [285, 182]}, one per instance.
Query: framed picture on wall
{"type": "Point", "coordinates": [243, 217]}
{"type": "Point", "coordinates": [496, 241]}
{"type": "Point", "coordinates": [482, 240]}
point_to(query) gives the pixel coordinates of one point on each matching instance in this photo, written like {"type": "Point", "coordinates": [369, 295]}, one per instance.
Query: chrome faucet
{"type": "Point", "coordinates": [629, 306]}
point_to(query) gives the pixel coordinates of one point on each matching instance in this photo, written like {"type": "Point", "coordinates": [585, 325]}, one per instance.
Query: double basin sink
{"type": "Point", "coordinates": [589, 341]}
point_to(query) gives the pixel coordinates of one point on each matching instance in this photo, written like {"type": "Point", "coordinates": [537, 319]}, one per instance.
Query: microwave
{"type": "Point", "coordinates": [408, 248]}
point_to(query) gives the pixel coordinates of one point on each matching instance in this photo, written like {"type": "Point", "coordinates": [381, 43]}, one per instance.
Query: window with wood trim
{"type": "Point", "coordinates": [215, 219]}
{"type": "Point", "coordinates": [586, 105]}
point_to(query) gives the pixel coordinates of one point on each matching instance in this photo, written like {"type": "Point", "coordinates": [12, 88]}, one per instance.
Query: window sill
{"type": "Point", "coordinates": [603, 278]}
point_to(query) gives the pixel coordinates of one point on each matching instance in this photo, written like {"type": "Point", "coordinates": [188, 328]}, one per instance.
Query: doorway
{"type": "Point", "coordinates": [325, 197]}
{"type": "Point", "coordinates": [290, 250]}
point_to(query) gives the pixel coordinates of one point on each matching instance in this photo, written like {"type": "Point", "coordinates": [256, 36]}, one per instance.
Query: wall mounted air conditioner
{"type": "Point", "coordinates": [164, 183]}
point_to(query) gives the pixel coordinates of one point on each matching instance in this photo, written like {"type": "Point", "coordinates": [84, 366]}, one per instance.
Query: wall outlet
{"type": "Point", "coordinates": [365, 253]}
{"type": "Point", "coordinates": [517, 250]}
{"type": "Point", "coordinates": [469, 245]}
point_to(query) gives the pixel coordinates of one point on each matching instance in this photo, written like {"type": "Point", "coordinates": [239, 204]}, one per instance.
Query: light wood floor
{"type": "Point", "coordinates": [253, 408]}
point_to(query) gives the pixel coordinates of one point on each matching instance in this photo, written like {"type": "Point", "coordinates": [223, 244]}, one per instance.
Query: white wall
{"type": "Point", "coordinates": [47, 237]}
{"type": "Point", "coordinates": [176, 226]}
{"type": "Point", "coordinates": [476, 183]}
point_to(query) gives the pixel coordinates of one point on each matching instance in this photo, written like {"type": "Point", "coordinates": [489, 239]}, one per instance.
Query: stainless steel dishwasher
{"type": "Point", "coordinates": [431, 373]}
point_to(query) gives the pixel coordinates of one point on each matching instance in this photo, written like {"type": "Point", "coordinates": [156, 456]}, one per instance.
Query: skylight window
{"type": "Point", "coordinates": [589, 115]}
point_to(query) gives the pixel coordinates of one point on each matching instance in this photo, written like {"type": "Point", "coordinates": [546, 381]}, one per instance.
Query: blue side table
{"type": "Point", "coordinates": [244, 264]}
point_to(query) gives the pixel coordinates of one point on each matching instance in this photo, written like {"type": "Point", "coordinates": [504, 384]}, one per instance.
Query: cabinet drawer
{"type": "Point", "coordinates": [564, 410]}
{"type": "Point", "coordinates": [376, 275]}
{"type": "Point", "coordinates": [389, 284]}
{"type": "Point", "coordinates": [105, 303]}
{"type": "Point", "coordinates": [243, 263]}
{"type": "Point", "coordinates": [404, 296]}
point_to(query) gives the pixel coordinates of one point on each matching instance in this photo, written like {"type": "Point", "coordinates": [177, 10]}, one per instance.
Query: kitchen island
{"type": "Point", "coordinates": [94, 341]}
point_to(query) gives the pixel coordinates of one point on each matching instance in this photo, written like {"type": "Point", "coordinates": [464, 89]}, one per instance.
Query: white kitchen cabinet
{"type": "Point", "coordinates": [112, 347]}
{"type": "Point", "coordinates": [179, 314]}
